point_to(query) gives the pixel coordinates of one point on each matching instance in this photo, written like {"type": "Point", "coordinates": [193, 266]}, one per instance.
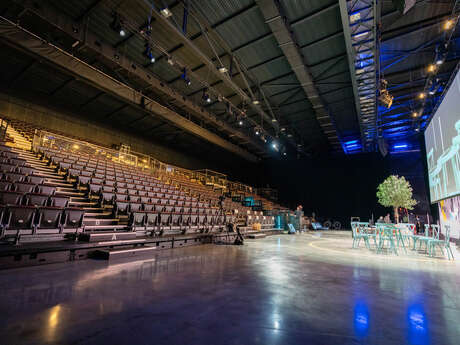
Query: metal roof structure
{"type": "Point", "coordinates": [246, 76]}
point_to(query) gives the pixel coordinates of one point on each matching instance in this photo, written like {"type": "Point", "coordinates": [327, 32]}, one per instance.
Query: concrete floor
{"type": "Point", "coordinates": [289, 289]}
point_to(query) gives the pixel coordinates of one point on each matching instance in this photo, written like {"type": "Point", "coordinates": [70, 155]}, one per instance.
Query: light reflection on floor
{"type": "Point", "coordinates": [298, 289]}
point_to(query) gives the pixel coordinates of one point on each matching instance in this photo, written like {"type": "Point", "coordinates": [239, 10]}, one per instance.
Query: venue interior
{"type": "Point", "coordinates": [230, 172]}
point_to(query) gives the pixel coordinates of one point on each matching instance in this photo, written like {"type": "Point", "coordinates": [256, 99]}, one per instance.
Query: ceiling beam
{"type": "Point", "coordinates": [274, 15]}
{"type": "Point", "coordinates": [19, 37]}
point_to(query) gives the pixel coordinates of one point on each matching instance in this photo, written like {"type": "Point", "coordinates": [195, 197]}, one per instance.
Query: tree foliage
{"type": "Point", "coordinates": [396, 192]}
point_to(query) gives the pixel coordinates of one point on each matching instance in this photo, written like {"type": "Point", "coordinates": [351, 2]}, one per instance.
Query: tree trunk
{"type": "Point", "coordinates": [396, 215]}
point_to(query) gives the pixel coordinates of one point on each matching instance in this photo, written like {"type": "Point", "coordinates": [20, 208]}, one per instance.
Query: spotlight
{"type": "Point", "coordinates": [256, 101]}
{"type": "Point", "coordinates": [188, 82]}
{"type": "Point", "coordinates": [274, 120]}
{"type": "Point", "coordinates": [414, 114]}
{"type": "Point", "coordinates": [431, 68]}
{"type": "Point", "coordinates": [222, 69]}
{"type": "Point", "coordinates": [448, 24]}
{"type": "Point", "coordinates": [148, 53]}
{"type": "Point", "coordinates": [421, 95]}
{"type": "Point", "coordinates": [122, 32]}
{"type": "Point", "coordinates": [257, 131]}
{"type": "Point", "coordinates": [284, 153]}
{"type": "Point", "coordinates": [117, 25]}
{"type": "Point", "coordinates": [166, 12]}
{"type": "Point", "coordinates": [282, 129]}
{"type": "Point", "coordinates": [240, 122]}
{"type": "Point", "coordinates": [205, 96]}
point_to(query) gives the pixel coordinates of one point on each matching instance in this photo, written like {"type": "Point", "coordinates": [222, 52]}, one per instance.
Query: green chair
{"type": "Point", "coordinates": [428, 237]}
{"type": "Point", "coordinates": [387, 234]}
{"type": "Point", "coordinates": [360, 233]}
{"type": "Point", "coordinates": [445, 243]}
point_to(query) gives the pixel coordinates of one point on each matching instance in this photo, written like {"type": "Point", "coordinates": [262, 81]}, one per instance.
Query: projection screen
{"type": "Point", "coordinates": [442, 140]}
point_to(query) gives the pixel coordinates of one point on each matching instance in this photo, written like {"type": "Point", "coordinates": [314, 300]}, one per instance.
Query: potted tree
{"type": "Point", "coordinates": [396, 192]}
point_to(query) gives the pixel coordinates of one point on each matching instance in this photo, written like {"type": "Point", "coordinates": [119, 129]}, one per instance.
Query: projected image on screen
{"type": "Point", "coordinates": [442, 140]}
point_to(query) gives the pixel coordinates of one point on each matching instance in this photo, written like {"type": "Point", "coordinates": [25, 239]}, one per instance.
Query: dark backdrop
{"type": "Point", "coordinates": [339, 187]}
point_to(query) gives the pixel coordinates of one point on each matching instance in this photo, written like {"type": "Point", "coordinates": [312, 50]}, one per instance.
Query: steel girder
{"type": "Point", "coordinates": [89, 40]}
{"type": "Point", "coordinates": [31, 43]}
{"type": "Point", "coordinates": [273, 13]}
{"type": "Point", "coordinates": [359, 21]}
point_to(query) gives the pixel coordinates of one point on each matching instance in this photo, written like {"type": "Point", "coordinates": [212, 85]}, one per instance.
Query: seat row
{"type": "Point", "coordinates": [26, 187]}
{"type": "Point", "coordinates": [33, 199]}
{"type": "Point", "coordinates": [148, 220]}
{"type": "Point", "coordinates": [126, 207]}
{"type": "Point", "coordinates": [20, 219]}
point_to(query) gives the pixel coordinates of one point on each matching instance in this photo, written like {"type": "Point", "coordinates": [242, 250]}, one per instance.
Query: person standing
{"type": "Point", "coordinates": [387, 219]}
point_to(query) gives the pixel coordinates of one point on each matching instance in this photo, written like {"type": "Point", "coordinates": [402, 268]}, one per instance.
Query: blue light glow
{"type": "Point", "coordinates": [417, 325]}
{"type": "Point", "coordinates": [351, 142]}
{"type": "Point", "coordinates": [401, 146]}
{"type": "Point", "coordinates": [361, 319]}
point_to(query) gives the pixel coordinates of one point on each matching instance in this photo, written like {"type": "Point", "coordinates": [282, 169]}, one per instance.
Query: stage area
{"type": "Point", "coordinates": [286, 289]}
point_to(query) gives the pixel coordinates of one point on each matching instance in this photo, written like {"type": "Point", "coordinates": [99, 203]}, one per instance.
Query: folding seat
{"type": "Point", "coordinates": [130, 185]}
{"type": "Point", "coordinates": [11, 198]}
{"type": "Point", "coordinates": [14, 177]}
{"type": "Point", "coordinates": [78, 166]}
{"type": "Point", "coordinates": [151, 194]}
{"type": "Point", "coordinates": [5, 186]}
{"type": "Point", "coordinates": [176, 219]}
{"type": "Point", "coordinates": [139, 187]}
{"type": "Point", "coordinates": [131, 191]}
{"type": "Point", "coordinates": [151, 220]}
{"type": "Point", "coordinates": [110, 182]}
{"type": "Point", "coordinates": [135, 206]}
{"type": "Point", "coordinates": [107, 198]}
{"type": "Point", "coordinates": [73, 172]}
{"type": "Point", "coordinates": [148, 207]}
{"type": "Point", "coordinates": [141, 192]}
{"type": "Point", "coordinates": [59, 201]}
{"type": "Point", "coordinates": [100, 175]}
{"type": "Point", "coordinates": [148, 189]}
{"type": "Point", "coordinates": [83, 180]}
{"type": "Point", "coordinates": [168, 208]}
{"type": "Point", "coordinates": [145, 199]}
{"type": "Point", "coordinates": [187, 203]}
{"type": "Point", "coordinates": [137, 219]}
{"type": "Point", "coordinates": [24, 187]}
{"type": "Point", "coordinates": [106, 188]}
{"type": "Point", "coordinates": [72, 219]}
{"type": "Point", "coordinates": [164, 219]}
{"type": "Point", "coordinates": [86, 173]}
{"type": "Point", "coordinates": [122, 190]}
{"type": "Point", "coordinates": [193, 219]}
{"type": "Point", "coordinates": [94, 188]}
{"type": "Point", "coordinates": [18, 161]}
{"type": "Point", "coordinates": [202, 219]}
{"type": "Point", "coordinates": [46, 189]}
{"type": "Point", "coordinates": [49, 218]}
{"type": "Point", "coordinates": [121, 207]}
{"type": "Point", "coordinates": [20, 217]}
{"type": "Point", "coordinates": [180, 203]}
{"type": "Point", "coordinates": [64, 166]}
{"type": "Point", "coordinates": [25, 170]}
{"type": "Point", "coordinates": [34, 199]}
{"type": "Point", "coordinates": [97, 180]}
{"type": "Point", "coordinates": [121, 184]}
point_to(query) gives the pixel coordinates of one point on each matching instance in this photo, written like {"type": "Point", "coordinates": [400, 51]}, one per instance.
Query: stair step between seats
{"type": "Point", "coordinates": [113, 254]}
{"type": "Point", "coordinates": [97, 214]}
{"type": "Point", "coordinates": [99, 221]}
{"type": "Point", "coordinates": [105, 227]}
{"type": "Point", "coordinates": [59, 184]}
{"type": "Point", "coordinates": [255, 236]}
{"type": "Point", "coordinates": [107, 236]}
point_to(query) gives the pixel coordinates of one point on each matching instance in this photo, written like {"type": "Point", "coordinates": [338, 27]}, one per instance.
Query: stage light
{"type": "Point", "coordinates": [274, 120]}
{"type": "Point", "coordinates": [206, 97]}
{"type": "Point", "coordinates": [400, 146]}
{"type": "Point", "coordinates": [148, 53]}
{"type": "Point", "coordinates": [122, 32]}
{"type": "Point", "coordinates": [240, 122]}
{"type": "Point", "coordinates": [222, 69]}
{"type": "Point", "coordinates": [76, 147]}
{"type": "Point", "coordinates": [117, 24]}
{"type": "Point", "coordinates": [284, 153]}
{"type": "Point", "coordinates": [282, 129]}
{"type": "Point", "coordinates": [257, 132]}
{"type": "Point", "coordinates": [170, 61]}
{"type": "Point", "coordinates": [255, 102]}
{"type": "Point", "coordinates": [414, 114]}
{"type": "Point", "coordinates": [431, 68]}
{"type": "Point", "coordinates": [188, 82]}
{"type": "Point", "coordinates": [166, 12]}
{"type": "Point", "coordinates": [448, 24]}
{"type": "Point", "coordinates": [421, 95]}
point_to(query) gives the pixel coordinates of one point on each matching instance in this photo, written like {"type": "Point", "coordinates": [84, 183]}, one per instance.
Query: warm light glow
{"type": "Point", "coordinates": [421, 95]}
{"type": "Point", "coordinates": [448, 24]}
{"type": "Point", "coordinates": [414, 114]}
{"type": "Point", "coordinates": [431, 68]}
{"type": "Point", "coordinates": [76, 147]}
{"type": "Point", "coordinates": [144, 160]}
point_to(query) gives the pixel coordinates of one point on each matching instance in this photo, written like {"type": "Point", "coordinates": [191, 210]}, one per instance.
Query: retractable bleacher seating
{"type": "Point", "coordinates": [55, 191]}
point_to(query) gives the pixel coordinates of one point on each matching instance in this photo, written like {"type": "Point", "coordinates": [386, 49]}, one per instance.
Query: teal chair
{"type": "Point", "coordinates": [445, 243]}
{"type": "Point", "coordinates": [360, 233]}
{"type": "Point", "coordinates": [387, 234]}
{"type": "Point", "coordinates": [428, 237]}
{"type": "Point", "coordinates": [407, 232]}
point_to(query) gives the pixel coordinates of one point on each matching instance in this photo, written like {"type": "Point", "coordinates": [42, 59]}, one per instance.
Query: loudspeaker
{"type": "Point", "coordinates": [383, 147]}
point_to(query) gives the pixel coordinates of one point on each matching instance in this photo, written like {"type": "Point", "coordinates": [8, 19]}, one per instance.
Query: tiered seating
{"type": "Point", "coordinates": [150, 205]}
{"type": "Point", "coordinates": [28, 205]}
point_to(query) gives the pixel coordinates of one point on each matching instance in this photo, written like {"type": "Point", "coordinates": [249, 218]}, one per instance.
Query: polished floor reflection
{"type": "Point", "coordinates": [298, 289]}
